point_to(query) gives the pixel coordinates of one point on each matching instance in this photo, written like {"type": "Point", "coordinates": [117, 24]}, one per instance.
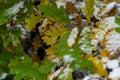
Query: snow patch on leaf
{"type": "Point", "coordinates": [72, 37]}
{"type": "Point", "coordinates": [13, 10]}
{"type": "Point", "coordinates": [68, 58]}
{"type": "Point", "coordinates": [66, 72]}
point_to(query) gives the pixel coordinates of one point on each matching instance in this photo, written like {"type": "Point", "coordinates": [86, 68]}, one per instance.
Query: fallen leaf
{"type": "Point", "coordinates": [36, 43]}
{"type": "Point", "coordinates": [32, 21]}
{"type": "Point", "coordinates": [89, 9]}
{"type": "Point", "coordinates": [99, 67]}
{"type": "Point", "coordinates": [104, 53]}
{"type": "Point", "coordinates": [50, 52]}
{"type": "Point", "coordinates": [78, 20]}
{"type": "Point", "coordinates": [103, 43]}
{"type": "Point", "coordinates": [70, 8]}
{"type": "Point", "coordinates": [35, 58]}
{"type": "Point", "coordinates": [52, 35]}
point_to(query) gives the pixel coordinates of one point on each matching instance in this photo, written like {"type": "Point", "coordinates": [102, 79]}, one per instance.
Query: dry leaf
{"type": "Point", "coordinates": [35, 58]}
{"type": "Point", "coordinates": [78, 20]}
{"type": "Point", "coordinates": [99, 67]}
{"type": "Point", "coordinates": [104, 53]}
{"type": "Point", "coordinates": [36, 43]}
{"type": "Point", "coordinates": [70, 8]}
{"type": "Point", "coordinates": [50, 52]}
{"type": "Point", "coordinates": [32, 21]}
{"type": "Point", "coordinates": [103, 43]}
{"type": "Point", "coordinates": [52, 35]}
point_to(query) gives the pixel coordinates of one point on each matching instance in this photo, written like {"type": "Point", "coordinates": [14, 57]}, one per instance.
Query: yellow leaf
{"type": "Point", "coordinates": [52, 35]}
{"type": "Point", "coordinates": [32, 21]}
{"type": "Point", "coordinates": [89, 9]}
{"type": "Point", "coordinates": [103, 43]}
{"type": "Point", "coordinates": [99, 67]}
{"type": "Point", "coordinates": [104, 53]}
{"type": "Point", "coordinates": [50, 52]}
{"type": "Point", "coordinates": [45, 1]}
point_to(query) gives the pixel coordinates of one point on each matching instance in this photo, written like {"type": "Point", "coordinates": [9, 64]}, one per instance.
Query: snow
{"type": "Point", "coordinates": [55, 74]}
{"type": "Point", "coordinates": [85, 43]}
{"type": "Point", "coordinates": [72, 16]}
{"type": "Point", "coordinates": [60, 3]}
{"type": "Point", "coordinates": [96, 12]}
{"type": "Point", "coordinates": [110, 21]}
{"type": "Point", "coordinates": [105, 25]}
{"type": "Point", "coordinates": [72, 1]}
{"type": "Point", "coordinates": [91, 77]}
{"type": "Point", "coordinates": [79, 5]}
{"type": "Point", "coordinates": [44, 24]}
{"type": "Point", "coordinates": [113, 42]}
{"type": "Point", "coordinates": [105, 59]}
{"type": "Point", "coordinates": [22, 57]}
{"type": "Point", "coordinates": [112, 64]}
{"type": "Point", "coordinates": [68, 58]}
{"type": "Point", "coordinates": [13, 10]}
{"type": "Point", "coordinates": [108, 8]}
{"type": "Point", "coordinates": [115, 74]}
{"type": "Point", "coordinates": [66, 72]}
{"type": "Point", "coordinates": [3, 75]}
{"type": "Point", "coordinates": [23, 30]}
{"type": "Point", "coordinates": [72, 37]}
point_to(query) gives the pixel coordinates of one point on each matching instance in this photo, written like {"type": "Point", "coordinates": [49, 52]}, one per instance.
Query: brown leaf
{"type": "Point", "coordinates": [35, 58]}
{"type": "Point", "coordinates": [78, 20]}
{"type": "Point", "coordinates": [70, 8]}
{"type": "Point", "coordinates": [36, 43]}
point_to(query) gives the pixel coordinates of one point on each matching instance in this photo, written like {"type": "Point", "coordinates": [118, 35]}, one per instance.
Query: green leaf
{"type": "Point", "coordinates": [9, 36]}
{"type": "Point", "coordinates": [46, 66]}
{"type": "Point", "coordinates": [63, 49]}
{"type": "Point", "coordinates": [32, 21]}
{"type": "Point", "coordinates": [22, 67]}
{"type": "Point", "coordinates": [50, 10]}
{"type": "Point", "coordinates": [87, 64]}
{"type": "Point", "coordinates": [26, 11]}
{"type": "Point", "coordinates": [4, 10]}
{"type": "Point", "coordinates": [89, 9]}
{"type": "Point", "coordinates": [29, 5]}
{"type": "Point", "coordinates": [4, 61]}
{"type": "Point", "coordinates": [85, 41]}
{"type": "Point", "coordinates": [117, 20]}
{"type": "Point", "coordinates": [117, 29]}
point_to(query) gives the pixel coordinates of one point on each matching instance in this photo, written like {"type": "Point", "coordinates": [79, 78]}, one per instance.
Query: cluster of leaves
{"type": "Point", "coordinates": [22, 66]}
{"type": "Point", "coordinates": [59, 13]}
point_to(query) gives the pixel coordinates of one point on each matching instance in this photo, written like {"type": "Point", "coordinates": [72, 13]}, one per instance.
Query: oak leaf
{"type": "Point", "coordinates": [50, 10]}
{"type": "Point", "coordinates": [50, 52]}
{"type": "Point", "coordinates": [103, 43]}
{"type": "Point", "coordinates": [32, 21]}
{"type": "Point", "coordinates": [70, 8]}
{"type": "Point", "coordinates": [99, 67]}
{"type": "Point", "coordinates": [52, 35]}
{"type": "Point", "coordinates": [36, 43]}
{"type": "Point", "coordinates": [35, 58]}
{"type": "Point", "coordinates": [104, 53]}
